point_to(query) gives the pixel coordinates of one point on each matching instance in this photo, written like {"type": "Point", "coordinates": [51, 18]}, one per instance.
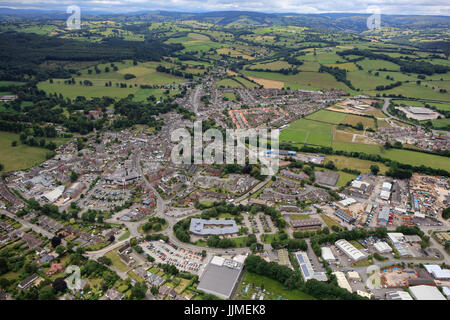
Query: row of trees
{"type": "Point", "coordinates": [293, 280]}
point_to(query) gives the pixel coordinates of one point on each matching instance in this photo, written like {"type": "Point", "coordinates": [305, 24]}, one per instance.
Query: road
{"type": "Point", "coordinates": [195, 98]}
{"type": "Point", "coordinates": [27, 224]}
{"type": "Point", "coordinates": [385, 110]}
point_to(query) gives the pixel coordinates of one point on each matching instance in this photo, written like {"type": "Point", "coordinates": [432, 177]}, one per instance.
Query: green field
{"type": "Point", "coordinates": [22, 156]}
{"type": "Point", "coordinates": [441, 123]}
{"type": "Point", "coordinates": [328, 116]}
{"type": "Point", "coordinates": [145, 74]}
{"type": "Point", "coordinates": [228, 83]}
{"type": "Point", "coordinates": [302, 80]}
{"type": "Point", "coordinates": [355, 163]}
{"type": "Point", "coordinates": [345, 177]}
{"type": "Point", "coordinates": [403, 156]}
{"type": "Point", "coordinates": [196, 42]}
{"type": "Point", "coordinates": [315, 132]}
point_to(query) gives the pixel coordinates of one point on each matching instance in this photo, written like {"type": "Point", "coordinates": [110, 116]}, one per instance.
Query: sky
{"type": "Point", "coordinates": [420, 7]}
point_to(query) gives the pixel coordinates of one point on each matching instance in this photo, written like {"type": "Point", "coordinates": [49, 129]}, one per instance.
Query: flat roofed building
{"type": "Point", "coordinates": [398, 295]}
{"type": "Point", "coordinates": [396, 237]}
{"type": "Point", "coordinates": [437, 272]}
{"type": "Point", "coordinates": [420, 110]}
{"type": "Point", "coordinates": [204, 227]}
{"type": "Point", "coordinates": [386, 186]}
{"type": "Point", "coordinates": [306, 268]}
{"type": "Point", "coordinates": [385, 195]}
{"type": "Point", "coordinates": [446, 291]}
{"type": "Point", "coordinates": [350, 250]}
{"type": "Point", "coordinates": [221, 277]}
{"type": "Point", "coordinates": [346, 202]}
{"type": "Point", "coordinates": [353, 275]}
{"type": "Point", "coordinates": [426, 293]}
{"type": "Point", "coordinates": [342, 281]}
{"type": "Point", "coordinates": [364, 294]}
{"type": "Point", "coordinates": [327, 255]}
{"type": "Point", "coordinates": [53, 195]}
{"type": "Point", "coordinates": [305, 223]}
{"type": "Point", "coordinates": [383, 216]}
{"type": "Point", "coordinates": [344, 216]}
{"type": "Point", "coordinates": [382, 247]}
{"type": "Point", "coordinates": [412, 238]}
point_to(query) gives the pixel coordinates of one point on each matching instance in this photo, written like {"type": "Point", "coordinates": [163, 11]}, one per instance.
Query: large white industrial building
{"type": "Point", "coordinates": [342, 280]}
{"type": "Point", "coordinates": [382, 247]}
{"type": "Point", "coordinates": [437, 272]}
{"type": "Point", "coordinates": [327, 255]}
{"type": "Point", "coordinates": [423, 292]}
{"type": "Point", "coordinates": [350, 250]}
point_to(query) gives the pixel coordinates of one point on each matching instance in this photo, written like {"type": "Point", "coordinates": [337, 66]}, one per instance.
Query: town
{"type": "Point", "coordinates": [93, 207]}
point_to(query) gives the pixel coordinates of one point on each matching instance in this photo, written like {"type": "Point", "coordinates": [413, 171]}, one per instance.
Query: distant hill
{"type": "Point", "coordinates": [352, 22]}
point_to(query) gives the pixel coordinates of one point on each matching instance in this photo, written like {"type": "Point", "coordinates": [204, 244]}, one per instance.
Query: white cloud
{"type": "Point", "coordinates": [422, 7]}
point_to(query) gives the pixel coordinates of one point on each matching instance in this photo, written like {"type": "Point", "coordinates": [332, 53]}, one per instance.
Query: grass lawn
{"type": "Point", "coordinates": [345, 177]}
{"type": "Point", "coordinates": [230, 96]}
{"type": "Point", "coordinates": [363, 263]}
{"type": "Point", "coordinates": [124, 236]}
{"type": "Point", "coordinates": [357, 245]}
{"type": "Point", "coordinates": [116, 261]}
{"type": "Point", "coordinates": [329, 221]}
{"type": "Point", "coordinates": [274, 288]}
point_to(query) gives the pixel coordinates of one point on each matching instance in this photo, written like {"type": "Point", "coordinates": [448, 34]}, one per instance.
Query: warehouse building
{"type": "Point", "coordinates": [383, 216]}
{"type": "Point", "coordinates": [382, 247]}
{"type": "Point", "coordinates": [327, 255]}
{"type": "Point", "coordinates": [342, 281]}
{"type": "Point", "coordinates": [307, 269]}
{"type": "Point", "coordinates": [344, 216]}
{"type": "Point", "coordinates": [304, 224]}
{"type": "Point", "coordinates": [350, 250]}
{"type": "Point", "coordinates": [399, 242]}
{"type": "Point", "coordinates": [221, 277]}
{"type": "Point", "coordinates": [437, 272]}
{"type": "Point", "coordinates": [426, 293]}
{"type": "Point", "coordinates": [385, 193]}
{"type": "Point", "coordinates": [398, 295]}
{"type": "Point", "coordinates": [53, 195]}
{"type": "Point", "coordinates": [347, 202]}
